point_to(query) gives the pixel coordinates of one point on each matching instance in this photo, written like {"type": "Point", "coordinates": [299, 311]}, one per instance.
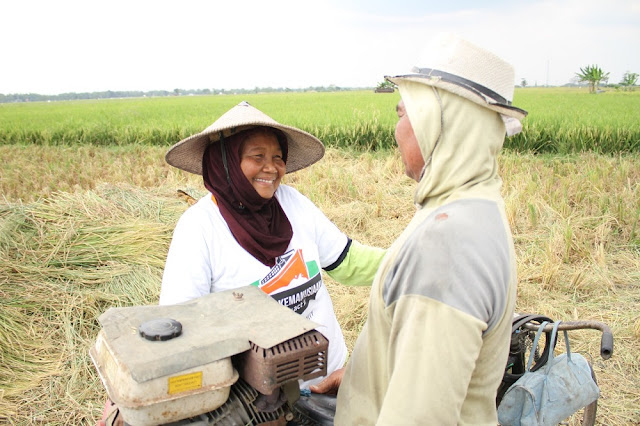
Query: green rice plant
{"type": "Point", "coordinates": [533, 215]}
{"type": "Point", "coordinates": [570, 121]}
{"type": "Point", "coordinates": [164, 121]}
{"type": "Point", "coordinates": [560, 120]}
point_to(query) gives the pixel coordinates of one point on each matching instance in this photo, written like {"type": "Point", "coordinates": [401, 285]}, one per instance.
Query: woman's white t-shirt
{"type": "Point", "coordinates": [204, 258]}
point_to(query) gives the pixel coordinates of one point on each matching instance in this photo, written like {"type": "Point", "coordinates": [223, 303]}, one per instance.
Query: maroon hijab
{"type": "Point", "coordinates": [258, 224]}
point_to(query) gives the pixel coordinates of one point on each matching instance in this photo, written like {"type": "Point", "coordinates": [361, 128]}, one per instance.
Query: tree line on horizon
{"type": "Point", "coordinates": [111, 94]}
{"type": "Point", "coordinates": [592, 75]}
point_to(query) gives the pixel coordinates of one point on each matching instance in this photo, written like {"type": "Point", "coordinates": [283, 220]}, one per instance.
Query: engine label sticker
{"type": "Point", "coordinates": [184, 383]}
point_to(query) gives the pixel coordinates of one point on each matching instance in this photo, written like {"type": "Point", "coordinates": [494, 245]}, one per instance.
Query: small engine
{"type": "Point", "coordinates": [226, 358]}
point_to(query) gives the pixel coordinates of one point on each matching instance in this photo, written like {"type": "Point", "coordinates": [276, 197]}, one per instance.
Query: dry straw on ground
{"type": "Point", "coordinates": [101, 242]}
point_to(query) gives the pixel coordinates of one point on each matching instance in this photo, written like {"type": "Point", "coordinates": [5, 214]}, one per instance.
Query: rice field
{"type": "Point", "coordinates": [360, 120]}
{"type": "Point", "coordinates": [560, 121]}
{"type": "Point", "coordinates": [85, 226]}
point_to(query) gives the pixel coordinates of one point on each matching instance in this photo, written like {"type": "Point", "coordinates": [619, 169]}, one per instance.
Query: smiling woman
{"type": "Point", "coordinates": [262, 160]}
{"type": "Point", "coordinates": [251, 230]}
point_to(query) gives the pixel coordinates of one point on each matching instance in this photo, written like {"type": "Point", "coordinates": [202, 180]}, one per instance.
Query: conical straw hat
{"type": "Point", "coordinates": [304, 149]}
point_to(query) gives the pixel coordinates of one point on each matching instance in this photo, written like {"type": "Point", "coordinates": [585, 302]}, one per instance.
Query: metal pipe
{"type": "Point", "coordinates": [606, 342]}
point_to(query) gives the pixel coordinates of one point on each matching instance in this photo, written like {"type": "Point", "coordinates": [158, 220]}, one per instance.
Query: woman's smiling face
{"type": "Point", "coordinates": [262, 163]}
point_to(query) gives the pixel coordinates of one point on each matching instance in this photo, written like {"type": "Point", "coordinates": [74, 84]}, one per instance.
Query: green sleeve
{"type": "Point", "coordinates": [359, 265]}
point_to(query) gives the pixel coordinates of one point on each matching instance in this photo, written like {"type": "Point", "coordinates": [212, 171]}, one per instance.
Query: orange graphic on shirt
{"type": "Point", "coordinates": [294, 268]}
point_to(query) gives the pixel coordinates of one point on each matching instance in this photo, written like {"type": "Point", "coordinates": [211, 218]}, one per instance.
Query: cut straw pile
{"type": "Point", "coordinates": [63, 262]}
{"type": "Point", "coordinates": [66, 259]}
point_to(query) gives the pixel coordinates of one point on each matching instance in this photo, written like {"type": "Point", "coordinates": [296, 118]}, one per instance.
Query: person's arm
{"type": "Point", "coordinates": [187, 273]}
{"type": "Point", "coordinates": [446, 291]}
{"type": "Point", "coordinates": [433, 352]}
{"type": "Point", "coordinates": [357, 265]}
{"type": "Point", "coordinates": [345, 260]}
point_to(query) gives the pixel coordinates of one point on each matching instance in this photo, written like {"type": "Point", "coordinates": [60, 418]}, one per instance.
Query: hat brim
{"type": "Point", "coordinates": [304, 149]}
{"type": "Point", "coordinates": [463, 91]}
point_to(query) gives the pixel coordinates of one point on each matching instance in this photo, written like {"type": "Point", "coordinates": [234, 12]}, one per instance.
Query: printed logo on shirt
{"type": "Point", "coordinates": [298, 298]}
{"type": "Point", "coordinates": [292, 282]}
{"type": "Point", "coordinates": [289, 267]}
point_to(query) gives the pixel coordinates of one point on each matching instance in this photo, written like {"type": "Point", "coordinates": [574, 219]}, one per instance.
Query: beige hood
{"type": "Point", "coordinates": [459, 140]}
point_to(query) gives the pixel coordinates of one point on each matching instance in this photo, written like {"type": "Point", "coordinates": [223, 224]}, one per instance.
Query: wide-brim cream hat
{"type": "Point", "coordinates": [458, 66]}
{"type": "Point", "coordinates": [304, 149]}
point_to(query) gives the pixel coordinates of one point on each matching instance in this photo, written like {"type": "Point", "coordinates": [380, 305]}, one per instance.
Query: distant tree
{"type": "Point", "coordinates": [34, 97]}
{"type": "Point", "coordinates": [574, 81]}
{"type": "Point", "coordinates": [386, 84]}
{"type": "Point", "coordinates": [629, 79]}
{"type": "Point", "coordinates": [385, 87]}
{"type": "Point", "coordinates": [523, 83]}
{"type": "Point", "coordinates": [593, 75]}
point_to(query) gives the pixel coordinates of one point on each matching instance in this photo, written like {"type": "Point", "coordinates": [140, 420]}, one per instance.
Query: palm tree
{"type": "Point", "coordinates": [629, 79]}
{"type": "Point", "coordinates": [592, 74]}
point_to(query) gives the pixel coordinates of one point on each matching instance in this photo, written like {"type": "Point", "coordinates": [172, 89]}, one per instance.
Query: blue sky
{"type": "Point", "coordinates": [77, 45]}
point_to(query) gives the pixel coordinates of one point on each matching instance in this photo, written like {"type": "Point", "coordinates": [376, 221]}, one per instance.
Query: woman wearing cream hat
{"type": "Point", "coordinates": [251, 229]}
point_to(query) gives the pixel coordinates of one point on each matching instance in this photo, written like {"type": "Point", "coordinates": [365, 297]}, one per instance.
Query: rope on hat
{"type": "Point", "coordinates": [223, 151]}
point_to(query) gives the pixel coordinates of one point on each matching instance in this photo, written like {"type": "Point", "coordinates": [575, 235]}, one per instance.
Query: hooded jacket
{"type": "Point", "coordinates": [435, 344]}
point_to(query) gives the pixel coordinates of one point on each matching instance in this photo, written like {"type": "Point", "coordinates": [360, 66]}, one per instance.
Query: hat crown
{"type": "Point", "coordinates": [239, 115]}
{"type": "Point", "coordinates": [455, 55]}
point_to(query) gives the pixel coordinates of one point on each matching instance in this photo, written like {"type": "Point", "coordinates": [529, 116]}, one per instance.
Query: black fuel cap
{"type": "Point", "coordinates": [160, 329]}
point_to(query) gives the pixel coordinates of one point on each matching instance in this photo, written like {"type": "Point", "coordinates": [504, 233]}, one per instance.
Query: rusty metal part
{"type": "Point", "coordinates": [270, 402]}
{"type": "Point", "coordinates": [606, 342]}
{"type": "Point", "coordinates": [239, 410]}
{"type": "Point", "coordinates": [303, 357]}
